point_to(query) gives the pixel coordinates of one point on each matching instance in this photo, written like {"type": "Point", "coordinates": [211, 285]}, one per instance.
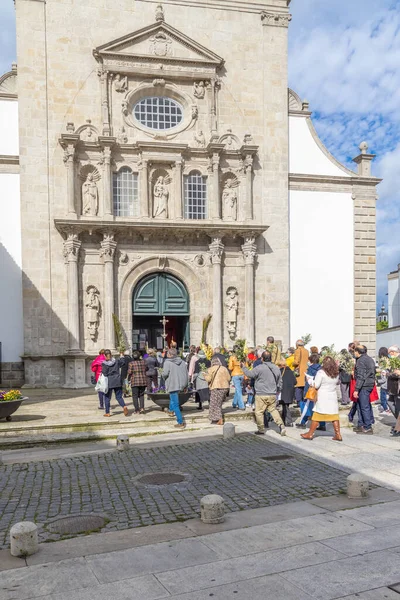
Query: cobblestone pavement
{"type": "Point", "coordinates": [105, 483]}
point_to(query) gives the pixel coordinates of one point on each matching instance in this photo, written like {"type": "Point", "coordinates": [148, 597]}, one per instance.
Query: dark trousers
{"type": "Point", "coordinates": [365, 414]}
{"type": "Point", "coordinates": [286, 414]}
{"type": "Point", "coordinates": [345, 389]}
{"type": "Point", "coordinates": [118, 395]}
{"type": "Point", "coordinates": [151, 379]}
{"type": "Point", "coordinates": [138, 397]}
{"type": "Point", "coordinates": [299, 394]}
{"type": "Point", "coordinates": [394, 405]}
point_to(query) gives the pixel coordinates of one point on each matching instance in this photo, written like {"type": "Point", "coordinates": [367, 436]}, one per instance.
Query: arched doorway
{"type": "Point", "coordinates": [155, 296]}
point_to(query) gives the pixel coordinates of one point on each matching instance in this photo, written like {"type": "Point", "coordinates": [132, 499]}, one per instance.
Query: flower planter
{"type": "Point", "coordinates": [162, 400]}
{"type": "Point", "coordinates": [8, 407]}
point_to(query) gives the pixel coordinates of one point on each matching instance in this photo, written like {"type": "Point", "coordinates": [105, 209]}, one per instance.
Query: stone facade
{"type": "Point", "coordinates": [81, 130]}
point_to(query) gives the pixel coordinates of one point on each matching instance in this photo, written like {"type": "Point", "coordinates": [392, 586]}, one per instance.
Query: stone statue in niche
{"type": "Point", "coordinates": [160, 197]}
{"type": "Point", "coordinates": [199, 89]}
{"type": "Point", "coordinates": [90, 196]}
{"type": "Point", "coordinates": [200, 139]}
{"type": "Point", "coordinates": [232, 305]}
{"type": "Point", "coordinates": [92, 311]}
{"type": "Point", "coordinates": [230, 200]}
{"type": "Point", "coordinates": [122, 136]}
{"type": "Point", "coordinates": [120, 83]}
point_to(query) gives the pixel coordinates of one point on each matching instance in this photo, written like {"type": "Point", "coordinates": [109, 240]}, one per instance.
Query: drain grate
{"type": "Point", "coordinates": [161, 478]}
{"type": "Point", "coordinates": [78, 524]}
{"type": "Point", "coordinates": [277, 457]}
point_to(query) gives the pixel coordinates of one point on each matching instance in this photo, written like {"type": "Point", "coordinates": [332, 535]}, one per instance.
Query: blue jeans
{"type": "Point", "coordinates": [250, 398]}
{"type": "Point", "coordinates": [101, 399]}
{"type": "Point", "coordinates": [384, 397]}
{"type": "Point", "coordinates": [118, 395]}
{"type": "Point", "coordinates": [365, 414]}
{"type": "Point", "coordinates": [237, 381]}
{"type": "Point", "coordinates": [174, 406]}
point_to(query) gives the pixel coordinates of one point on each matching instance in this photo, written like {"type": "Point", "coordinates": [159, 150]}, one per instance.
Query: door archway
{"type": "Point", "coordinates": [156, 296]}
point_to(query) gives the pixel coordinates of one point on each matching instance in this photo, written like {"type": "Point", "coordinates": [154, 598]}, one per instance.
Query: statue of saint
{"type": "Point", "coordinates": [120, 83]}
{"type": "Point", "coordinates": [90, 197]}
{"type": "Point", "coordinates": [232, 305]}
{"type": "Point", "coordinates": [93, 311]}
{"type": "Point", "coordinates": [199, 89]}
{"type": "Point", "coordinates": [160, 198]}
{"type": "Point", "coordinates": [230, 199]}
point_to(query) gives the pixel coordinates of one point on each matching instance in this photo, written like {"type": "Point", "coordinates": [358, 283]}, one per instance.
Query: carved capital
{"type": "Point", "coordinates": [275, 19]}
{"type": "Point", "coordinates": [108, 247]}
{"type": "Point", "coordinates": [71, 249]}
{"type": "Point", "coordinates": [69, 155]}
{"type": "Point", "coordinates": [107, 155]}
{"type": "Point", "coordinates": [249, 250]}
{"type": "Point", "coordinates": [216, 251]}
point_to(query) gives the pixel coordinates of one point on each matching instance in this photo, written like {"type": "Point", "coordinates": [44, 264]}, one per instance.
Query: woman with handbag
{"type": "Point", "coordinates": [307, 403]}
{"type": "Point", "coordinates": [326, 407]}
{"type": "Point", "coordinates": [96, 369]}
{"type": "Point", "coordinates": [286, 396]}
{"type": "Point", "coordinates": [218, 378]}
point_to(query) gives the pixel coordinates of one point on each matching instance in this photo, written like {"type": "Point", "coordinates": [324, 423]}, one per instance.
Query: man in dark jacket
{"type": "Point", "coordinates": [365, 380]}
{"type": "Point", "coordinates": [111, 370]}
{"type": "Point", "coordinates": [124, 364]}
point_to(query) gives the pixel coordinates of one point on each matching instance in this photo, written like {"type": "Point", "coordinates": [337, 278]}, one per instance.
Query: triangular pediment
{"type": "Point", "coordinates": [158, 41]}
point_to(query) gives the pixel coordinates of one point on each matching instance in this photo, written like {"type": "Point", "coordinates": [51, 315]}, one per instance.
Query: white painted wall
{"type": "Point", "coordinates": [321, 267]}
{"type": "Point", "coordinates": [9, 127]}
{"type": "Point", "coordinates": [11, 319]}
{"type": "Point", "coordinates": [393, 301]}
{"type": "Point", "coordinates": [305, 156]}
{"type": "Point", "coordinates": [388, 338]}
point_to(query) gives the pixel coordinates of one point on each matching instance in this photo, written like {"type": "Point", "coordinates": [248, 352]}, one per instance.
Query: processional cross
{"type": "Point", "coordinates": [164, 322]}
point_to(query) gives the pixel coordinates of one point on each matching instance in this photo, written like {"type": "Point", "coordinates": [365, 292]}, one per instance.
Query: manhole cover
{"type": "Point", "coordinates": [277, 457]}
{"type": "Point", "coordinates": [161, 478]}
{"type": "Point", "coordinates": [79, 524]}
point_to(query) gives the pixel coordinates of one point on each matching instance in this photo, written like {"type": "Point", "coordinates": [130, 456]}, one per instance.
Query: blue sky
{"type": "Point", "coordinates": [344, 58]}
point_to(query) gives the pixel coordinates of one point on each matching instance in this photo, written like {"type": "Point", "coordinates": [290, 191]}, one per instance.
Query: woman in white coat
{"type": "Point", "coordinates": [326, 407]}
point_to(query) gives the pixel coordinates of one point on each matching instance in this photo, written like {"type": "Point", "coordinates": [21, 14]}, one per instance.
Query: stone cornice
{"type": "Point", "coordinates": [300, 182]}
{"type": "Point", "coordinates": [9, 164]}
{"type": "Point", "coordinates": [275, 19]}
{"type": "Point", "coordinates": [248, 6]}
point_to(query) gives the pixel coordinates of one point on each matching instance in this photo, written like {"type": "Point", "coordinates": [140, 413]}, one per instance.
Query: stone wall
{"type": "Point", "coordinates": [12, 374]}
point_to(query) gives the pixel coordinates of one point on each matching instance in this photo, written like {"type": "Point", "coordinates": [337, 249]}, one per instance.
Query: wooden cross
{"type": "Point", "coordinates": [164, 322]}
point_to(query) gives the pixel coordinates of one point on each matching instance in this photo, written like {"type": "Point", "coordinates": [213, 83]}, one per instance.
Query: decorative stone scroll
{"type": "Point", "coordinates": [92, 311]}
{"type": "Point", "coordinates": [120, 83]}
{"type": "Point", "coordinates": [276, 19]}
{"type": "Point", "coordinates": [199, 89]}
{"type": "Point", "coordinates": [232, 305]}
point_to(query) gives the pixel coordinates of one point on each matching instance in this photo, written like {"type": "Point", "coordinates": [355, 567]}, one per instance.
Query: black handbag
{"type": "Point", "coordinates": [393, 385]}
{"type": "Point", "coordinates": [93, 379]}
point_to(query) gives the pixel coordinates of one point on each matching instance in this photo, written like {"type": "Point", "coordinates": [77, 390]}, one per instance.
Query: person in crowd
{"type": "Point", "coordinates": [300, 364]}
{"type": "Point", "coordinates": [326, 407]}
{"type": "Point", "coordinates": [306, 406]}
{"type": "Point", "coordinates": [383, 365]}
{"type": "Point", "coordinates": [267, 384]}
{"type": "Point", "coordinates": [364, 375]}
{"type": "Point", "coordinates": [151, 364]}
{"type": "Point", "coordinates": [250, 394]}
{"type": "Point", "coordinates": [138, 381]}
{"type": "Point", "coordinates": [175, 374]}
{"type": "Point", "coordinates": [111, 369]}
{"type": "Point", "coordinates": [218, 354]}
{"type": "Point", "coordinates": [351, 348]}
{"type": "Point", "coordinates": [290, 358]}
{"type": "Point", "coordinates": [286, 397]}
{"type": "Point", "coordinates": [124, 362]}
{"type": "Point", "coordinates": [344, 380]}
{"type": "Point", "coordinates": [218, 379]}
{"type": "Point", "coordinates": [393, 384]}
{"type": "Point", "coordinates": [96, 369]}
{"type": "Point", "coordinates": [237, 379]}
{"type": "Point", "coordinates": [200, 383]}
{"type": "Point", "coordinates": [192, 352]}
{"type": "Point", "coordinates": [274, 350]}
{"type": "Point", "coordinates": [258, 361]}
{"type": "Point", "coordinates": [192, 364]}
{"type": "Point", "coordinates": [314, 350]}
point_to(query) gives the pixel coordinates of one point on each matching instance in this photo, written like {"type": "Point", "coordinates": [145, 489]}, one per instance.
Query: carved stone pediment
{"type": "Point", "coordinates": [8, 84]}
{"type": "Point", "coordinates": [157, 46]}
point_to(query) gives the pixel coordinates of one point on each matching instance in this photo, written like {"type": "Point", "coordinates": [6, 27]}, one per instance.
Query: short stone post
{"type": "Point", "coordinates": [357, 486]}
{"type": "Point", "coordinates": [24, 539]}
{"type": "Point", "coordinates": [229, 431]}
{"type": "Point", "coordinates": [212, 509]}
{"type": "Point", "coordinates": [122, 442]}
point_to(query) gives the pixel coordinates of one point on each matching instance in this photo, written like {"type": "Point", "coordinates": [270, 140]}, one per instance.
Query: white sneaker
{"type": "Point", "coordinates": [282, 429]}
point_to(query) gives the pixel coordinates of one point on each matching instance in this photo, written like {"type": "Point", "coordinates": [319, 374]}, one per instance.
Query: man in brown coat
{"type": "Point", "coordinates": [300, 363]}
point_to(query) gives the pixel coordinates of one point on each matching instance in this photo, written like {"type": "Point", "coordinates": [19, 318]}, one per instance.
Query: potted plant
{"type": "Point", "coordinates": [160, 397]}
{"type": "Point", "coordinates": [9, 403]}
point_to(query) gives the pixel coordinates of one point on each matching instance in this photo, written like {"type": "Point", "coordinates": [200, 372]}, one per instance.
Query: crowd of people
{"type": "Point", "coordinates": [263, 379]}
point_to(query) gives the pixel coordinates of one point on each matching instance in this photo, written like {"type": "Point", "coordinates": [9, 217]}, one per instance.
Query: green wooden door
{"type": "Point", "coordinates": [160, 294]}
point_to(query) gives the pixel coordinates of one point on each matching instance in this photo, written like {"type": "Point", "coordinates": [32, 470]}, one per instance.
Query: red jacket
{"type": "Point", "coordinates": [96, 365]}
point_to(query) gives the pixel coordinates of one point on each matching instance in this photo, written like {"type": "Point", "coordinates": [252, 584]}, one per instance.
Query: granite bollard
{"type": "Point", "coordinates": [229, 431]}
{"type": "Point", "coordinates": [212, 509]}
{"type": "Point", "coordinates": [357, 486]}
{"type": "Point", "coordinates": [24, 539]}
{"type": "Point", "coordinates": [122, 442]}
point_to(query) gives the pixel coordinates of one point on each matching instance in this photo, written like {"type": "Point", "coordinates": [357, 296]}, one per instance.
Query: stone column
{"type": "Point", "coordinates": [249, 250]}
{"type": "Point", "coordinates": [179, 209]}
{"type": "Point", "coordinates": [248, 167]}
{"type": "Point", "coordinates": [105, 113]}
{"type": "Point", "coordinates": [145, 209]}
{"type": "Point", "coordinates": [215, 208]}
{"type": "Point", "coordinates": [108, 247]}
{"type": "Point", "coordinates": [69, 159]}
{"type": "Point", "coordinates": [216, 251]}
{"type": "Point", "coordinates": [107, 181]}
{"type": "Point", "coordinates": [71, 254]}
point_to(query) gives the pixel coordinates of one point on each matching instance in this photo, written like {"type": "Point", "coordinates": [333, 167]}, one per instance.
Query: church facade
{"type": "Point", "coordinates": [166, 170]}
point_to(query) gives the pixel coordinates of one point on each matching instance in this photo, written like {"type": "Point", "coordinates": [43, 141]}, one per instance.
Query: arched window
{"type": "Point", "coordinates": [125, 193]}
{"type": "Point", "coordinates": [195, 196]}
